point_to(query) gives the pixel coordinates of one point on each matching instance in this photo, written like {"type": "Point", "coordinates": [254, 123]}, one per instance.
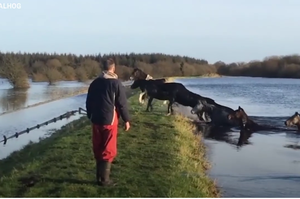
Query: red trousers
{"type": "Point", "coordinates": [105, 140]}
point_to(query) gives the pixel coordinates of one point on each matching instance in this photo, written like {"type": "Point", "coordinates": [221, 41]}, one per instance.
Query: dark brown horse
{"type": "Point", "coordinates": [294, 120]}
{"type": "Point", "coordinates": [172, 92]}
{"type": "Point", "coordinates": [247, 123]}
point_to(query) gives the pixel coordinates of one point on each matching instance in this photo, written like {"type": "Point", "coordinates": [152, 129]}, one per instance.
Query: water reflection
{"type": "Point", "coordinates": [33, 116]}
{"type": "Point", "coordinates": [270, 159]}
{"type": "Point", "coordinates": [240, 138]}
{"type": "Point", "coordinates": [54, 92]}
{"type": "Point", "coordinates": [39, 92]}
{"type": "Point", "coordinates": [236, 138]}
{"type": "Point", "coordinates": [244, 137]}
{"type": "Point", "coordinates": [294, 139]}
{"type": "Point", "coordinates": [216, 133]}
{"type": "Point", "coordinates": [293, 146]}
{"type": "Point", "coordinates": [13, 99]}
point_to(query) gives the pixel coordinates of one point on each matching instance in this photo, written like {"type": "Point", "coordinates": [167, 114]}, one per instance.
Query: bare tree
{"type": "Point", "coordinates": [91, 67]}
{"type": "Point", "coordinates": [13, 70]}
{"type": "Point", "coordinates": [53, 75]}
{"type": "Point", "coordinates": [81, 74]}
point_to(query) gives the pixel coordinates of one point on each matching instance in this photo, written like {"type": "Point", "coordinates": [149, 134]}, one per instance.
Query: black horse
{"type": "Point", "coordinates": [217, 113]}
{"type": "Point", "coordinates": [173, 92]}
{"type": "Point", "coordinates": [138, 74]}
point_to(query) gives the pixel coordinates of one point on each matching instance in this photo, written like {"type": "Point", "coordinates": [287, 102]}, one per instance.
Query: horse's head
{"type": "Point", "coordinates": [202, 105]}
{"type": "Point", "coordinates": [138, 74]}
{"type": "Point", "coordinates": [237, 114]}
{"type": "Point", "coordinates": [136, 84]}
{"type": "Point", "coordinates": [294, 120]}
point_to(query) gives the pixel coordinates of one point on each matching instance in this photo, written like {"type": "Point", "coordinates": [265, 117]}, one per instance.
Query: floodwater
{"type": "Point", "coordinates": [268, 164]}
{"type": "Point", "coordinates": [16, 118]}
{"type": "Point", "coordinates": [11, 99]}
{"type": "Point", "coordinates": [20, 119]}
{"type": "Point", "coordinates": [25, 118]}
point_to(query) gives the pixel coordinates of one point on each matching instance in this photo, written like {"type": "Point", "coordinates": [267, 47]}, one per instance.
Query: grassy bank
{"type": "Point", "coordinates": [153, 160]}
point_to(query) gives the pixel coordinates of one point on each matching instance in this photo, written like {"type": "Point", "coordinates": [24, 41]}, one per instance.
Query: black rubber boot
{"type": "Point", "coordinates": [105, 174]}
{"type": "Point", "coordinates": [98, 172]}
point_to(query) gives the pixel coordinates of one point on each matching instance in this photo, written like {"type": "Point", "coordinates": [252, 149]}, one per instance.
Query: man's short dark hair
{"type": "Point", "coordinates": [110, 63]}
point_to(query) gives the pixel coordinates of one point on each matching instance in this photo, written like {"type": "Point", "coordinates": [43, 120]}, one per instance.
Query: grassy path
{"type": "Point", "coordinates": [153, 160]}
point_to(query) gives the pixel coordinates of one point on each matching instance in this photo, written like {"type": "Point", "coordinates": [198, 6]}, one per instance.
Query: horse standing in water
{"type": "Point", "coordinates": [247, 123]}
{"type": "Point", "coordinates": [294, 120]}
{"type": "Point", "coordinates": [216, 112]}
{"type": "Point", "coordinates": [138, 74]}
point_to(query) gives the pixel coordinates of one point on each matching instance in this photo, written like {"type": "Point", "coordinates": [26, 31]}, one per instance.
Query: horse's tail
{"type": "Point", "coordinates": [144, 96]}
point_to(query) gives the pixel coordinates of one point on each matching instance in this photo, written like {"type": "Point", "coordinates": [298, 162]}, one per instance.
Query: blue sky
{"type": "Point", "coordinates": [227, 30]}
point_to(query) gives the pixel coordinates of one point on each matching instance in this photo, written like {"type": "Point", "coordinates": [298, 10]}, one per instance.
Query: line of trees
{"type": "Point", "coordinates": [53, 67]}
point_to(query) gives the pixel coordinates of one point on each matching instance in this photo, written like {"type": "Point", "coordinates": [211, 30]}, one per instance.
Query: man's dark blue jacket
{"type": "Point", "coordinates": [106, 93]}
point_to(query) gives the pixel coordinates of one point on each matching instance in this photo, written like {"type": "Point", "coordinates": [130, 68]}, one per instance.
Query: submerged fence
{"type": "Point", "coordinates": [61, 117]}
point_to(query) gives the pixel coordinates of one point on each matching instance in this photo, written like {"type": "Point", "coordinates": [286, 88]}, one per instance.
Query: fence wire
{"type": "Point", "coordinates": [61, 117]}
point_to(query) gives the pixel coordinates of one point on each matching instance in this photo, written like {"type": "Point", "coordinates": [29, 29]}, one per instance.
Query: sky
{"type": "Point", "coordinates": [215, 30]}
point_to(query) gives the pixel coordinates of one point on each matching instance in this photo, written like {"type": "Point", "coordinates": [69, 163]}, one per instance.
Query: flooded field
{"type": "Point", "coordinates": [21, 119]}
{"type": "Point", "coordinates": [25, 118]}
{"type": "Point", "coordinates": [39, 92]}
{"type": "Point", "coordinates": [268, 163]}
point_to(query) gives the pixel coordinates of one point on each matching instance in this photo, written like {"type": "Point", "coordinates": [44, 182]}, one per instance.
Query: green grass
{"type": "Point", "coordinates": [153, 160]}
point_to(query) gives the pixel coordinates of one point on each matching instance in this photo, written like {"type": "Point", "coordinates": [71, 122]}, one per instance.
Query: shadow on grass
{"type": "Point", "coordinates": [69, 180]}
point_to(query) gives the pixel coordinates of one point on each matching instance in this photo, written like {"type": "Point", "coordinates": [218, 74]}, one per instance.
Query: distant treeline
{"type": "Point", "coordinates": [18, 67]}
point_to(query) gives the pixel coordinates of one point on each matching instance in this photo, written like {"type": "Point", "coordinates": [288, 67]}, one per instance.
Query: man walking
{"type": "Point", "coordinates": [106, 101]}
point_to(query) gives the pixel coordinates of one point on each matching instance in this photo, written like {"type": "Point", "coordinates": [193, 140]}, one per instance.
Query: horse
{"type": "Point", "coordinates": [294, 120]}
{"type": "Point", "coordinates": [245, 121]}
{"type": "Point", "coordinates": [138, 74]}
{"type": "Point", "coordinates": [149, 88]}
{"type": "Point", "coordinates": [171, 91]}
{"type": "Point", "coordinates": [188, 98]}
{"type": "Point", "coordinates": [217, 112]}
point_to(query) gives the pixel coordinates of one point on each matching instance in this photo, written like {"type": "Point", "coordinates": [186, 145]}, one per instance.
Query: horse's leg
{"type": "Point", "coordinates": [149, 103]}
{"type": "Point", "coordinates": [205, 117]}
{"type": "Point", "coordinates": [199, 116]}
{"type": "Point", "coordinates": [170, 107]}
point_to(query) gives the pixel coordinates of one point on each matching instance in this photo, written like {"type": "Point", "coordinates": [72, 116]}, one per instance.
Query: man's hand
{"type": "Point", "coordinates": [127, 126]}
